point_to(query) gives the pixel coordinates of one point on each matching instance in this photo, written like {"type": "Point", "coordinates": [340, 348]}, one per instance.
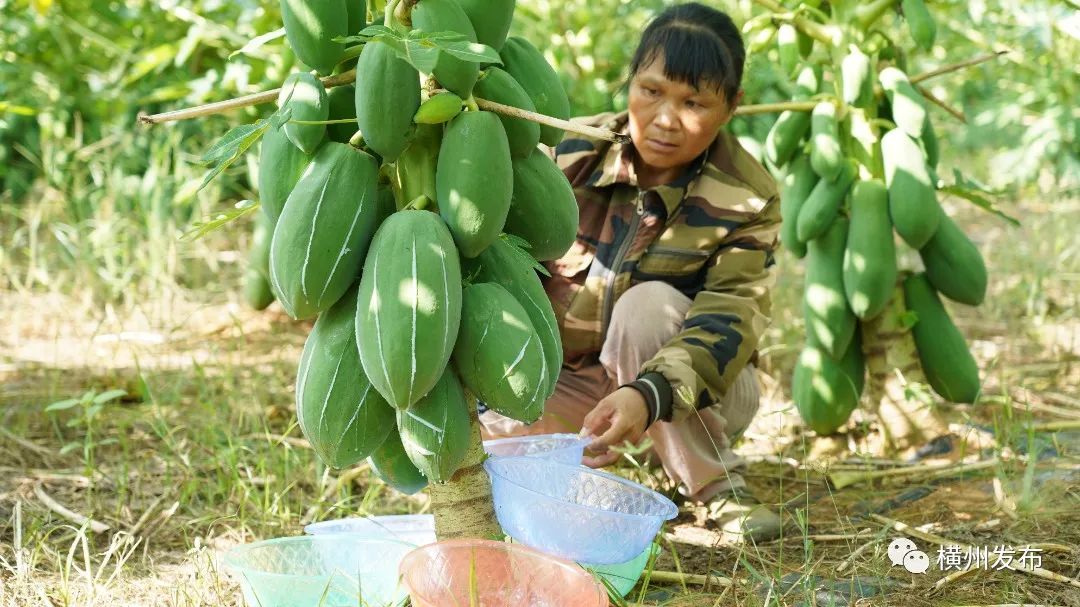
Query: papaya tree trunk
{"type": "Point", "coordinates": [463, 507]}
{"type": "Point", "coordinates": [907, 417]}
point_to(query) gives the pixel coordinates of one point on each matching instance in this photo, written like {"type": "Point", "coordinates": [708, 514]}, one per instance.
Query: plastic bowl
{"type": "Point", "coordinates": [565, 448]}
{"type": "Point", "coordinates": [418, 529]}
{"type": "Point", "coordinates": [319, 570]}
{"type": "Point", "coordinates": [486, 573]}
{"type": "Point", "coordinates": [575, 512]}
{"type": "Point", "coordinates": [624, 576]}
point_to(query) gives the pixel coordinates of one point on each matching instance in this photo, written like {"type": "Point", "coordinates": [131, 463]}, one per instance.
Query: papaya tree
{"type": "Point", "coordinates": [405, 205]}
{"type": "Point", "coordinates": [857, 152]}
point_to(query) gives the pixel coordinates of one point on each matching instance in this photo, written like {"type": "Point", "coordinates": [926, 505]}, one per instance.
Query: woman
{"type": "Point", "coordinates": [663, 297]}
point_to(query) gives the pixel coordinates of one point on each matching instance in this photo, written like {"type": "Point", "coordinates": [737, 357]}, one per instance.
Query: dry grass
{"type": "Point", "coordinates": [192, 461]}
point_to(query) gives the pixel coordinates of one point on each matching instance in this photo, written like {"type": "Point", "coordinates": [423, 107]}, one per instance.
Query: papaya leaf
{"type": "Point", "coordinates": [202, 228]}
{"type": "Point", "coordinates": [231, 147]}
{"type": "Point", "coordinates": [976, 193]}
{"type": "Point", "coordinates": [471, 51]}
{"type": "Point", "coordinates": [519, 245]}
{"type": "Point", "coordinates": [257, 42]}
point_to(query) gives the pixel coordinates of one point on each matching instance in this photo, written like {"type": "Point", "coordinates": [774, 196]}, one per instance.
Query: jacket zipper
{"type": "Point", "coordinates": [631, 233]}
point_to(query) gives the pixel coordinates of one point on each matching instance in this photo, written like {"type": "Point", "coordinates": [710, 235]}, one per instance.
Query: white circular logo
{"type": "Point", "coordinates": [899, 548]}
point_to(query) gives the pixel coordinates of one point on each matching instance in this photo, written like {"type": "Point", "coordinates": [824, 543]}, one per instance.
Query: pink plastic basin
{"type": "Point", "coordinates": [485, 573]}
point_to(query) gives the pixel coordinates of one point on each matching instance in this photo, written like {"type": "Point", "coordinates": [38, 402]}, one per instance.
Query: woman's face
{"type": "Point", "coordinates": [671, 122]}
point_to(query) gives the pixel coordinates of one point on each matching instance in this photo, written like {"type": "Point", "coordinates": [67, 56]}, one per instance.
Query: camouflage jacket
{"type": "Point", "coordinates": [710, 233]}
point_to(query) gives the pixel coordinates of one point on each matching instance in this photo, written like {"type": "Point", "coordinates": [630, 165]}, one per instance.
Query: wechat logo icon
{"type": "Point", "coordinates": [904, 553]}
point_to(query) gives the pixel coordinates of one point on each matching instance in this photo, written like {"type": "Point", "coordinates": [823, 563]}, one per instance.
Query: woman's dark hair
{"type": "Point", "coordinates": [698, 43]}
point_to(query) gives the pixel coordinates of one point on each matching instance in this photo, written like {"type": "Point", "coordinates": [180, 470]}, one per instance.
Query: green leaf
{"type": "Point", "coordinates": [471, 51]}
{"type": "Point", "coordinates": [519, 246]}
{"type": "Point", "coordinates": [105, 397]}
{"type": "Point", "coordinates": [231, 147]}
{"type": "Point", "coordinates": [202, 228]}
{"type": "Point", "coordinates": [68, 448]}
{"type": "Point", "coordinates": [908, 319]}
{"type": "Point", "coordinates": [257, 43]}
{"type": "Point", "coordinates": [973, 191]}
{"type": "Point", "coordinates": [62, 405]}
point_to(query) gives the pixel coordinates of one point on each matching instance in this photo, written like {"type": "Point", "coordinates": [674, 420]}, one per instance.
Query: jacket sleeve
{"type": "Point", "coordinates": [725, 322]}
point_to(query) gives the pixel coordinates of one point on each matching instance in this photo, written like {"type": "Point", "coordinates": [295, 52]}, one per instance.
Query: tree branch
{"type": "Point", "coordinates": [774, 108]}
{"type": "Point", "coordinates": [558, 123]}
{"type": "Point", "coordinates": [956, 67]}
{"type": "Point", "coordinates": [827, 35]}
{"type": "Point", "coordinates": [955, 112]}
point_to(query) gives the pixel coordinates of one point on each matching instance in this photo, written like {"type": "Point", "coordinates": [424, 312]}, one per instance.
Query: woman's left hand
{"type": "Point", "coordinates": [621, 416]}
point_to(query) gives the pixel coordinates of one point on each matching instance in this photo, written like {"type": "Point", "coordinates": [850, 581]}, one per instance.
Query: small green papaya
{"type": "Point", "coordinates": [305, 95]}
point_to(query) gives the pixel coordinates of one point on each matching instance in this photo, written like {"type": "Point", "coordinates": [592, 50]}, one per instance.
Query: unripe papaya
{"type": "Point", "coordinates": [305, 96]}
{"type": "Point", "coordinates": [324, 230]}
{"type": "Point", "coordinates": [416, 165]}
{"type": "Point", "coordinates": [823, 204]}
{"type": "Point", "coordinates": [491, 19]}
{"type": "Point", "coordinates": [474, 180]}
{"type": "Point", "coordinates": [806, 44]}
{"type": "Point", "coordinates": [409, 307]}
{"type": "Point", "coordinates": [913, 203]}
{"type": "Point", "coordinates": [908, 109]}
{"type": "Point", "coordinates": [438, 109]}
{"type": "Point", "coordinates": [949, 367]}
{"type": "Point", "coordinates": [798, 184]}
{"type": "Point", "coordinates": [392, 465]}
{"type": "Point", "coordinates": [929, 143]}
{"type": "Point", "coordinates": [826, 390]}
{"type": "Point", "coordinates": [527, 65]}
{"type": "Point", "coordinates": [785, 136]}
{"type": "Point", "coordinates": [387, 99]}
{"type": "Point", "coordinates": [870, 257]}
{"type": "Point", "coordinates": [787, 43]}
{"type": "Point", "coordinates": [257, 290]}
{"type": "Point", "coordinates": [498, 353]}
{"type": "Point", "coordinates": [920, 22]}
{"type": "Point", "coordinates": [855, 72]}
{"type": "Point", "coordinates": [311, 26]}
{"type": "Point", "coordinates": [543, 208]}
{"type": "Point", "coordinates": [503, 264]}
{"type": "Point", "coordinates": [830, 324]}
{"type": "Point", "coordinates": [455, 75]}
{"type": "Point", "coordinates": [498, 86]}
{"type": "Point", "coordinates": [954, 265]}
{"type": "Point", "coordinates": [341, 416]}
{"type": "Point", "coordinates": [825, 154]}
{"type": "Point", "coordinates": [435, 431]}
{"type": "Point", "coordinates": [342, 100]}
{"type": "Point", "coordinates": [280, 166]}
{"type": "Point", "coordinates": [357, 15]}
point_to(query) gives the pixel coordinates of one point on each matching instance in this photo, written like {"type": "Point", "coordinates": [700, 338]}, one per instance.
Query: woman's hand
{"type": "Point", "coordinates": [620, 416]}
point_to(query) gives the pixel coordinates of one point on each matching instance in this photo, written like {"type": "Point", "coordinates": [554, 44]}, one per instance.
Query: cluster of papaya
{"type": "Point", "coordinates": [856, 168]}
{"type": "Point", "coordinates": [413, 236]}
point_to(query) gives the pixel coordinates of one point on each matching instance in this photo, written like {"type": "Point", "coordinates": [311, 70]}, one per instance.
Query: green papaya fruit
{"type": "Point", "coordinates": [505, 264]}
{"type": "Point", "coordinates": [386, 100]}
{"type": "Point", "coordinates": [436, 430]}
{"type": "Point", "coordinates": [491, 19]}
{"type": "Point", "coordinates": [342, 100]}
{"type": "Point", "coordinates": [543, 208]}
{"type": "Point", "coordinates": [806, 44]}
{"type": "Point", "coordinates": [785, 136]}
{"type": "Point", "coordinates": [257, 290]}
{"type": "Point", "coordinates": [417, 164]}
{"type": "Point", "coordinates": [305, 96]}
{"type": "Point", "coordinates": [280, 166]}
{"type": "Point", "coordinates": [357, 10]}
{"type": "Point", "coordinates": [855, 72]}
{"type": "Point", "coordinates": [826, 390]}
{"type": "Point", "coordinates": [529, 68]}
{"type": "Point", "coordinates": [339, 413]}
{"type": "Point", "coordinates": [954, 266]}
{"type": "Point", "coordinates": [913, 204]}
{"type": "Point", "coordinates": [825, 154]}
{"type": "Point", "coordinates": [948, 364]}
{"type": "Point", "coordinates": [311, 26]}
{"type": "Point", "coordinates": [498, 86]}
{"type": "Point", "coordinates": [455, 75]}
{"type": "Point", "coordinates": [498, 353]}
{"type": "Point", "coordinates": [920, 22]}
{"type": "Point", "coordinates": [474, 202]}
{"type": "Point", "coordinates": [870, 257]}
{"type": "Point", "coordinates": [908, 108]}
{"type": "Point", "coordinates": [324, 230]}
{"type": "Point", "coordinates": [798, 184]}
{"type": "Point", "coordinates": [409, 306]}
{"type": "Point", "coordinates": [392, 465]}
{"type": "Point", "coordinates": [930, 147]}
{"type": "Point", "coordinates": [438, 109]}
{"type": "Point", "coordinates": [830, 324]}
{"type": "Point", "coordinates": [787, 43]}
{"type": "Point", "coordinates": [823, 203]}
